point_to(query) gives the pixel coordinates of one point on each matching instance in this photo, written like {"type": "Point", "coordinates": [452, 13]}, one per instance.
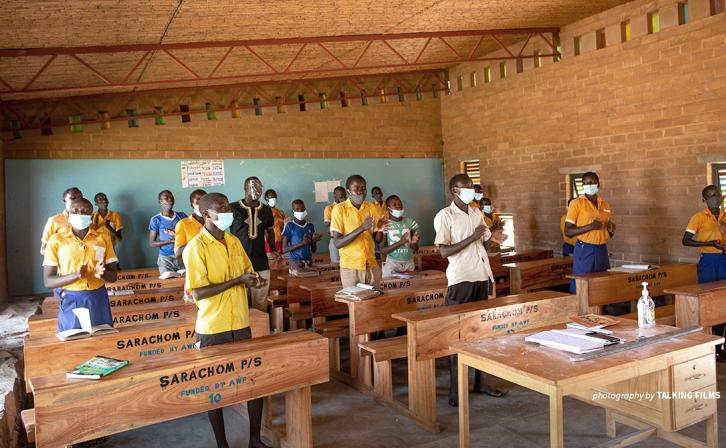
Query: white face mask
{"type": "Point", "coordinates": [223, 221]}
{"type": "Point", "coordinates": [272, 202]}
{"type": "Point", "coordinates": [196, 211]}
{"type": "Point", "coordinates": [487, 209]}
{"type": "Point", "coordinates": [478, 196]}
{"type": "Point", "coordinates": [300, 215]}
{"type": "Point", "coordinates": [79, 222]}
{"type": "Point", "coordinates": [590, 190]}
{"type": "Point", "coordinates": [466, 195]}
{"type": "Point", "coordinates": [396, 213]}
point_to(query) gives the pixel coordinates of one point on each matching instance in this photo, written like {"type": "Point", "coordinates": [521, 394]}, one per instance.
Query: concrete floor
{"type": "Point", "coordinates": [343, 417]}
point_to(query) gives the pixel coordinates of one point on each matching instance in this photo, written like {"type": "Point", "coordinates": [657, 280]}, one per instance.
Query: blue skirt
{"type": "Point", "coordinates": [589, 258]}
{"type": "Point", "coordinates": [711, 268]}
{"type": "Point", "coordinates": [567, 249]}
{"type": "Point", "coordinates": [95, 300]}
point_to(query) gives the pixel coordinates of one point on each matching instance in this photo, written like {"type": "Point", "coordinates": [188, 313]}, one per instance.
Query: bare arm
{"type": "Point", "coordinates": [690, 242]}
{"type": "Point", "coordinates": [572, 230]}
{"type": "Point", "coordinates": [52, 280]}
{"type": "Point", "coordinates": [340, 240]}
{"type": "Point", "coordinates": [386, 249]}
{"type": "Point", "coordinates": [153, 242]}
{"type": "Point", "coordinates": [251, 279]}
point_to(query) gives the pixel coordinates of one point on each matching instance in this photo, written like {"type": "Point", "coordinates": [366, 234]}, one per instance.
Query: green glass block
{"type": "Point", "coordinates": [76, 123]}
{"type": "Point", "coordinates": [159, 118]}
{"type": "Point", "coordinates": [258, 106]}
{"type": "Point", "coordinates": [363, 98]}
{"type": "Point", "coordinates": [211, 114]}
{"type": "Point", "coordinates": [419, 94]}
{"type": "Point", "coordinates": [133, 122]}
{"type": "Point", "coordinates": [323, 101]}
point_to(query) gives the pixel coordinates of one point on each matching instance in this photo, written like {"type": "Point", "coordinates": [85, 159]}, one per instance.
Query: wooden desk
{"type": "Point", "coordinates": [683, 364]}
{"type": "Point", "coordinates": [47, 324]}
{"type": "Point", "coordinates": [145, 284]}
{"type": "Point", "coordinates": [432, 332]}
{"type": "Point", "coordinates": [539, 274]}
{"type": "Point", "coordinates": [52, 304]}
{"type": "Point", "coordinates": [130, 274]}
{"type": "Point", "coordinates": [518, 257]}
{"type": "Point", "coordinates": [604, 288]}
{"type": "Point", "coordinates": [152, 391]}
{"type": "Point", "coordinates": [701, 305]}
{"type": "Point", "coordinates": [48, 355]}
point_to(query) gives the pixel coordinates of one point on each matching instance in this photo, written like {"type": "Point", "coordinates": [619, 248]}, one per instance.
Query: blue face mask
{"type": "Point", "coordinates": [487, 209]}
{"type": "Point", "coordinates": [223, 221]}
{"type": "Point", "coordinates": [478, 196]}
{"type": "Point", "coordinates": [466, 195]}
{"type": "Point", "coordinates": [590, 190]}
{"type": "Point", "coordinates": [396, 213]}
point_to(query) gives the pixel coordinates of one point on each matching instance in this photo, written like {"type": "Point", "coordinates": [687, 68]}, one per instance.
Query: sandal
{"type": "Point", "coordinates": [491, 391]}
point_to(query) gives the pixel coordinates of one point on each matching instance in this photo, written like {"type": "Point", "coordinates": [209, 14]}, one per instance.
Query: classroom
{"type": "Point", "coordinates": [297, 224]}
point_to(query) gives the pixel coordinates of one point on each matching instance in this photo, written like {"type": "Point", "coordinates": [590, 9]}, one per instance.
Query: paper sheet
{"type": "Point", "coordinates": [322, 188]}
{"type": "Point", "coordinates": [202, 173]}
{"type": "Point", "coordinates": [84, 318]}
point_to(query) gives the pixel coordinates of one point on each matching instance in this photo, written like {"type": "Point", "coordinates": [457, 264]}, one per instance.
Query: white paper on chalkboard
{"type": "Point", "coordinates": [323, 188]}
{"type": "Point", "coordinates": [202, 173]}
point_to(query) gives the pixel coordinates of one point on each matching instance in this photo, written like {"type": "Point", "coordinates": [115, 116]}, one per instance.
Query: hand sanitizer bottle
{"type": "Point", "coordinates": [646, 309]}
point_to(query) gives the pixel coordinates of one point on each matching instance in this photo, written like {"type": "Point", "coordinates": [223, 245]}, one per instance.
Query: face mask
{"type": "Point", "coordinates": [590, 190]}
{"type": "Point", "coordinates": [67, 205]}
{"type": "Point", "coordinates": [378, 197]}
{"type": "Point", "coordinates": [166, 206]}
{"type": "Point", "coordinates": [357, 199]}
{"type": "Point", "coordinates": [478, 196]}
{"type": "Point", "coordinates": [300, 215]}
{"type": "Point", "coordinates": [466, 194]}
{"type": "Point", "coordinates": [223, 221]}
{"type": "Point", "coordinates": [714, 202]}
{"type": "Point", "coordinates": [487, 209]}
{"type": "Point", "coordinates": [196, 210]}
{"type": "Point", "coordinates": [396, 213]}
{"type": "Point", "coordinates": [79, 222]}
{"type": "Point", "coordinates": [272, 202]}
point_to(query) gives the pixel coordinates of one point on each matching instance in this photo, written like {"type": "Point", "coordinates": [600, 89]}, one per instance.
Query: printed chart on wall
{"type": "Point", "coordinates": [202, 173]}
{"type": "Point", "coordinates": [322, 188]}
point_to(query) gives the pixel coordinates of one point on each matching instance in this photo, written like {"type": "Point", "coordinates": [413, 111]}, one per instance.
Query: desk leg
{"type": "Point", "coordinates": [557, 439]}
{"type": "Point", "coordinates": [298, 418]}
{"type": "Point", "coordinates": [712, 432]}
{"type": "Point", "coordinates": [463, 403]}
{"type": "Point", "coordinates": [422, 389]}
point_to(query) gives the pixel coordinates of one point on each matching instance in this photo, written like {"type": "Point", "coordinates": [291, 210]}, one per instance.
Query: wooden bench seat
{"type": "Point", "coordinates": [28, 418]}
{"type": "Point", "coordinates": [276, 304]}
{"type": "Point", "coordinates": [384, 351]}
{"type": "Point", "coordinates": [295, 316]}
{"type": "Point", "coordinates": [664, 315]}
{"type": "Point", "coordinates": [337, 328]}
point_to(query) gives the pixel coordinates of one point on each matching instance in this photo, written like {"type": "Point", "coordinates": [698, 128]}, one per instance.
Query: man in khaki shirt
{"type": "Point", "coordinates": [460, 237]}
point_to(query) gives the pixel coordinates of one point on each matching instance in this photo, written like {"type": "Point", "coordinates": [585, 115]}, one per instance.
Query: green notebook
{"type": "Point", "coordinates": [96, 367]}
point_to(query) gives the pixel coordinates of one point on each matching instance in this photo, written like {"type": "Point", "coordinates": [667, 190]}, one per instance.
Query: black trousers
{"type": "Point", "coordinates": [457, 294]}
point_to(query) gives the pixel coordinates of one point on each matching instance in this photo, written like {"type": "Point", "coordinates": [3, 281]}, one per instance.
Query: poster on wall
{"type": "Point", "coordinates": [323, 188]}
{"type": "Point", "coordinates": [202, 173]}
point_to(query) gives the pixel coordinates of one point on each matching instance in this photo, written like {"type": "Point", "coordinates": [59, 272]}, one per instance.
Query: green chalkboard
{"type": "Point", "coordinates": [33, 193]}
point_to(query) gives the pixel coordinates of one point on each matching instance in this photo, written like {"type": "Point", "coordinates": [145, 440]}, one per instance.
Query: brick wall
{"type": "Point", "coordinates": [408, 129]}
{"type": "Point", "coordinates": [648, 115]}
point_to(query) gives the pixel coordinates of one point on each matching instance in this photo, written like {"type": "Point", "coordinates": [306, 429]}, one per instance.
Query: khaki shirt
{"type": "Point", "coordinates": [472, 263]}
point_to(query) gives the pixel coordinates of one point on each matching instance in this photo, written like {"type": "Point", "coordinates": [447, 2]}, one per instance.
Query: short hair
{"type": "Point", "coordinates": [206, 201]}
{"type": "Point", "coordinates": [68, 191]}
{"type": "Point", "coordinates": [100, 193]}
{"type": "Point", "coordinates": [456, 179]}
{"type": "Point", "coordinates": [339, 189]}
{"type": "Point", "coordinates": [391, 197]}
{"type": "Point", "coordinates": [83, 201]}
{"type": "Point", "coordinates": [298, 201]}
{"type": "Point", "coordinates": [376, 188]}
{"type": "Point", "coordinates": [270, 191]}
{"type": "Point", "coordinates": [352, 179]}
{"type": "Point", "coordinates": [165, 191]}
{"type": "Point", "coordinates": [708, 187]}
{"type": "Point", "coordinates": [591, 174]}
{"type": "Point", "coordinates": [251, 178]}
{"type": "Point", "coordinates": [196, 192]}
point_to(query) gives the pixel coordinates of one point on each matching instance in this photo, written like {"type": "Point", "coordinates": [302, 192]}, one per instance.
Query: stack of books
{"type": "Point", "coordinates": [360, 291]}
{"type": "Point", "coordinates": [96, 368]}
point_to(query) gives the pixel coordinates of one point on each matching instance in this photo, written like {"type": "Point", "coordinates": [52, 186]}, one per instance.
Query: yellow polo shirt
{"type": "Point", "coordinates": [360, 253]}
{"type": "Point", "coordinates": [186, 229]}
{"type": "Point", "coordinates": [208, 262]}
{"type": "Point", "coordinates": [705, 227]}
{"type": "Point", "coordinates": [565, 238]}
{"type": "Point", "coordinates": [328, 212]}
{"type": "Point", "coordinates": [68, 253]}
{"type": "Point", "coordinates": [111, 217]}
{"type": "Point", "coordinates": [54, 223]}
{"type": "Point", "coordinates": [381, 210]}
{"type": "Point", "coordinates": [581, 212]}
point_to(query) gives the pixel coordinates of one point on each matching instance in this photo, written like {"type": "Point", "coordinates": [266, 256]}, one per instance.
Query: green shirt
{"type": "Point", "coordinates": [395, 230]}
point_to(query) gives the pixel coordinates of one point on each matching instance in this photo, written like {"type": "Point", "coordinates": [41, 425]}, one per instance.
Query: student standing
{"type": "Point", "coordinates": [56, 222]}
{"type": "Point", "coordinates": [352, 225]}
{"type": "Point", "coordinates": [339, 195]}
{"type": "Point", "coordinates": [478, 195]}
{"type": "Point", "coordinates": [189, 227]}
{"type": "Point", "coordinates": [589, 222]}
{"type": "Point", "coordinates": [218, 271]}
{"type": "Point", "coordinates": [105, 220]}
{"type": "Point", "coordinates": [399, 239]}
{"type": "Point", "coordinates": [460, 237]}
{"type": "Point", "coordinates": [278, 216]}
{"type": "Point", "coordinates": [568, 244]}
{"type": "Point", "coordinates": [299, 239]}
{"type": "Point", "coordinates": [78, 262]}
{"type": "Point", "coordinates": [253, 222]}
{"type": "Point", "coordinates": [381, 213]}
{"type": "Point", "coordinates": [161, 235]}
